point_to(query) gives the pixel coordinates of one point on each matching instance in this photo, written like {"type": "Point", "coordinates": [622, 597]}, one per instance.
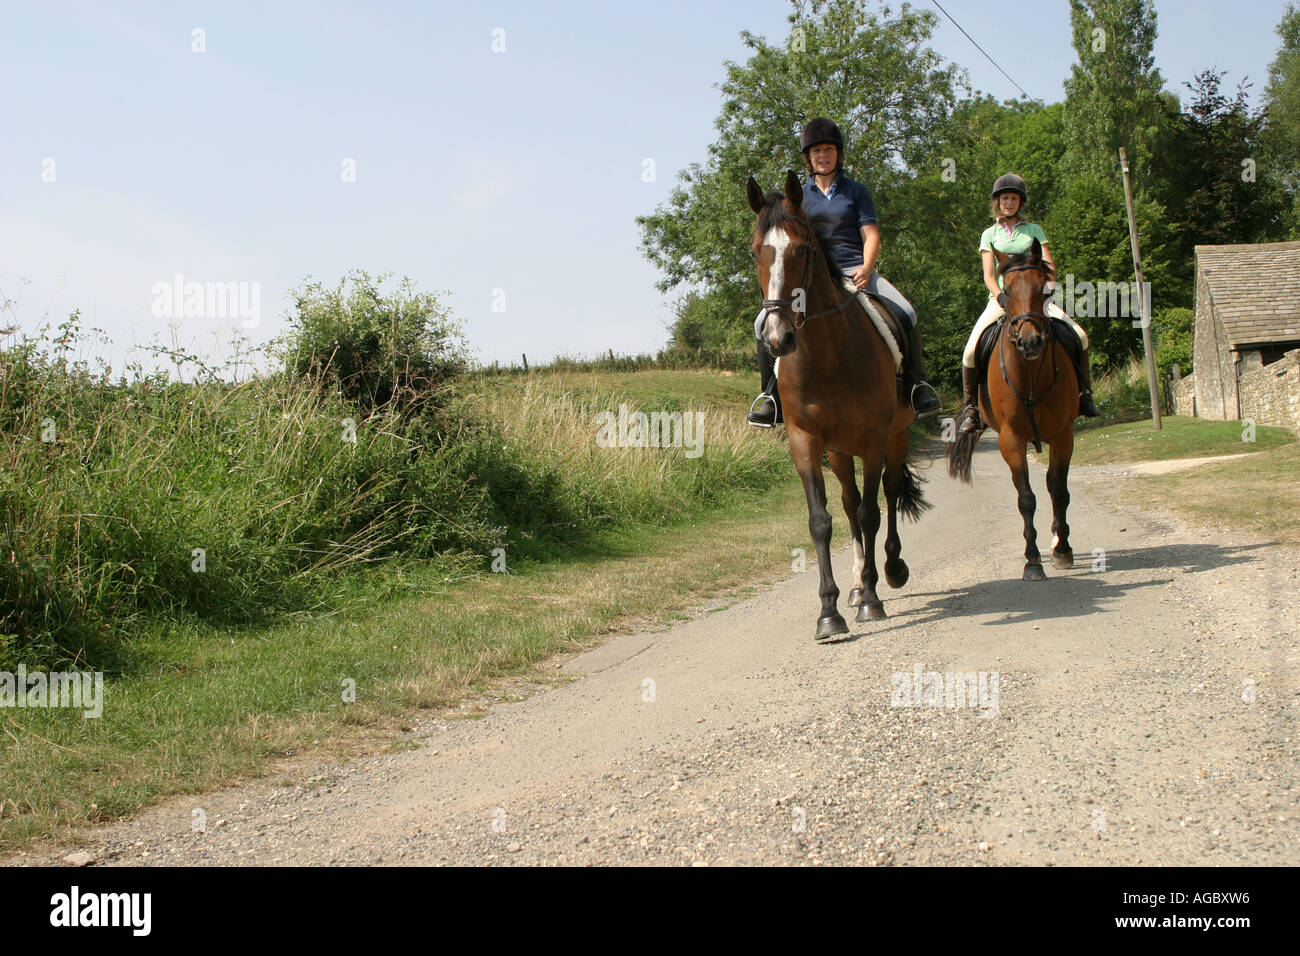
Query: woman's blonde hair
{"type": "Point", "coordinates": [1022, 212]}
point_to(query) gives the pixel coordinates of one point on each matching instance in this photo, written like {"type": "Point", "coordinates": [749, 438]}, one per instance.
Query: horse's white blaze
{"type": "Point", "coordinates": [779, 241]}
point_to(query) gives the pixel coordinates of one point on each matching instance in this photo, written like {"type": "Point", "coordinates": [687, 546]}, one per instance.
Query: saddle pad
{"type": "Point", "coordinates": [886, 321]}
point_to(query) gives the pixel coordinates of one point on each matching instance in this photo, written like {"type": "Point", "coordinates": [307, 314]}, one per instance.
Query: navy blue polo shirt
{"type": "Point", "coordinates": [839, 216]}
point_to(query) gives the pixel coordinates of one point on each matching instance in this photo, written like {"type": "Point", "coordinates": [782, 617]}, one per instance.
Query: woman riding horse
{"type": "Point", "coordinates": [1012, 234]}
{"type": "Point", "coordinates": [842, 211]}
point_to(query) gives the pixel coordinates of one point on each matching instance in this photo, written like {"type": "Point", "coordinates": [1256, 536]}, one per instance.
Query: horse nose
{"type": "Point", "coordinates": [787, 342]}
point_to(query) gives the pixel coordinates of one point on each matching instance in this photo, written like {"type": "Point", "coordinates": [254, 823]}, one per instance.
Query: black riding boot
{"type": "Point", "coordinates": [1084, 370]}
{"type": "Point", "coordinates": [924, 400]}
{"type": "Point", "coordinates": [766, 410]}
{"type": "Point", "coordinates": [970, 391]}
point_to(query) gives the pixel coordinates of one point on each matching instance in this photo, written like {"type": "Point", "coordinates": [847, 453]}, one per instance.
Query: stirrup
{"type": "Point", "coordinates": [971, 414]}
{"type": "Point", "coordinates": [912, 399]}
{"type": "Point", "coordinates": [761, 424]}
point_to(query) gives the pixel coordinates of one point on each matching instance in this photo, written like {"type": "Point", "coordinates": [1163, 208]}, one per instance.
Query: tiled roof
{"type": "Point", "coordinates": [1256, 290]}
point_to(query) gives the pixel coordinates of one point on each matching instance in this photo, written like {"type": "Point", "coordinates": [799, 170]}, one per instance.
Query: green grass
{"type": "Point", "coordinates": [200, 701]}
{"type": "Point", "coordinates": [1259, 494]}
{"type": "Point", "coordinates": [1180, 437]}
{"type": "Point", "coordinates": [209, 705]}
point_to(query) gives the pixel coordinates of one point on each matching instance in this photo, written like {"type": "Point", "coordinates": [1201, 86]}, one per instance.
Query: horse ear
{"type": "Point", "coordinates": [1036, 250]}
{"type": "Point", "coordinates": [755, 195]}
{"type": "Point", "coordinates": [793, 190]}
{"type": "Point", "coordinates": [1002, 257]}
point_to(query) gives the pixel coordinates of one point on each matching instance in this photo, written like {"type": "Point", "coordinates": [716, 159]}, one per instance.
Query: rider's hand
{"type": "Point", "coordinates": [1002, 301]}
{"type": "Point", "coordinates": [860, 276]}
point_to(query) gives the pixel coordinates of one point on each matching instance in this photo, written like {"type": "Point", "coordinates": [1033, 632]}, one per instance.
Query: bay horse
{"type": "Point", "coordinates": [1029, 393]}
{"type": "Point", "coordinates": [840, 394]}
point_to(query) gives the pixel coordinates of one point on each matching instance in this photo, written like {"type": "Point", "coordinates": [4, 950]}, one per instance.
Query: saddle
{"type": "Point", "coordinates": [988, 342]}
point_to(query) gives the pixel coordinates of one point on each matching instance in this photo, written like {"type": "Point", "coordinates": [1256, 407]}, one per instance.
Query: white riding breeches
{"type": "Point", "coordinates": [993, 312]}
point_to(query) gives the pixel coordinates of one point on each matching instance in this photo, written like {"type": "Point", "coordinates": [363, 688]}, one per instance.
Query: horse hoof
{"type": "Point", "coordinates": [871, 612]}
{"type": "Point", "coordinates": [855, 597]}
{"type": "Point", "coordinates": [1062, 560]}
{"type": "Point", "coordinates": [830, 627]}
{"type": "Point", "coordinates": [897, 577]}
{"type": "Point", "coordinates": [1034, 572]}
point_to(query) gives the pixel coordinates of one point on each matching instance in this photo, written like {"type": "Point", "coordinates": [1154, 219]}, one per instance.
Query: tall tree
{"type": "Point", "coordinates": [1212, 183]}
{"type": "Point", "coordinates": [1281, 135]}
{"type": "Point", "coordinates": [872, 73]}
{"type": "Point", "coordinates": [1114, 98]}
{"type": "Point", "coordinates": [1113, 94]}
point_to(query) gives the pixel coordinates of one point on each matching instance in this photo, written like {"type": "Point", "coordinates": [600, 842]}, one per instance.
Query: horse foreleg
{"type": "Point", "coordinates": [842, 466]}
{"type": "Point", "coordinates": [896, 570]}
{"type": "Point", "coordinates": [1058, 470]}
{"type": "Point", "coordinates": [871, 609]}
{"type": "Point", "coordinates": [1013, 453]}
{"type": "Point", "coordinates": [807, 454]}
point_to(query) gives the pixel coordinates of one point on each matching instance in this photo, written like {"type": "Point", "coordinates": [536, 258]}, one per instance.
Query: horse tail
{"type": "Point", "coordinates": [911, 499]}
{"type": "Point", "coordinates": [960, 453]}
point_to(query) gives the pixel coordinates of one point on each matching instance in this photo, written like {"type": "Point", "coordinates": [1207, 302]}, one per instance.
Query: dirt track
{"type": "Point", "coordinates": [1125, 732]}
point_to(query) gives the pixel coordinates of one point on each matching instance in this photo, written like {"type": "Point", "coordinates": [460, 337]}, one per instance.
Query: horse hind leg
{"type": "Point", "coordinates": [842, 466]}
{"type": "Point", "coordinates": [896, 570]}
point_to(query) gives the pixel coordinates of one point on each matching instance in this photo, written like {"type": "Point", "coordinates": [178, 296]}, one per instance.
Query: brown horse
{"type": "Point", "coordinates": [1030, 393]}
{"type": "Point", "coordinates": [840, 394]}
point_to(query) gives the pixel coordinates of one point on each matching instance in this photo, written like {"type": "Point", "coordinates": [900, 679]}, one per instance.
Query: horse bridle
{"type": "Point", "coordinates": [1013, 323]}
{"type": "Point", "coordinates": [776, 305]}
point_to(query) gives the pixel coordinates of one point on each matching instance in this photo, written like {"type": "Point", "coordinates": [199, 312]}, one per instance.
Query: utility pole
{"type": "Point", "coordinates": [1144, 307]}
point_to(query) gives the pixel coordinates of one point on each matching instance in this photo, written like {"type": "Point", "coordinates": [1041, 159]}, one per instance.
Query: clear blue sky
{"type": "Point", "coordinates": [475, 170]}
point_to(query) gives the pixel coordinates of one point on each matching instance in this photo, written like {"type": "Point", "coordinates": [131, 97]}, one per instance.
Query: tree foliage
{"type": "Point", "coordinates": [929, 151]}
{"type": "Point", "coordinates": [1280, 139]}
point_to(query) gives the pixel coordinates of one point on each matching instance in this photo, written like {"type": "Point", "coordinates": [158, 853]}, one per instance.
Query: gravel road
{"type": "Point", "coordinates": [1144, 713]}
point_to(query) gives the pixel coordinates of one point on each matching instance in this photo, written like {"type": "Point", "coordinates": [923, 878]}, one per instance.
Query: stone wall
{"type": "Point", "coordinates": [1182, 396]}
{"type": "Point", "coordinates": [1212, 361]}
{"type": "Point", "coordinates": [1270, 394]}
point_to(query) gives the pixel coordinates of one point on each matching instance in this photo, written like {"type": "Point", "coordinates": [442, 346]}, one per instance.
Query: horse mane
{"type": "Point", "coordinates": [1023, 260]}
{"type": "Point", "coordinates": [775, 214]}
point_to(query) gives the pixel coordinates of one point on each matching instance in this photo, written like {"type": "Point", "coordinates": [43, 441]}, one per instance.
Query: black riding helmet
{"type": "Point", "coordinates": [820, 131]}
{"type": "Point", "coordinates": [1010, 183]}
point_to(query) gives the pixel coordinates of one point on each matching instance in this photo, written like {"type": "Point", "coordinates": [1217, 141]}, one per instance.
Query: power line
{"type": "Point", "coordinates": [981, 49]}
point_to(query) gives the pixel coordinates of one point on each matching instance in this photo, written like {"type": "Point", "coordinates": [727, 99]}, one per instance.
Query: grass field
{"type": "Point", "coordinates": [1180, 437]}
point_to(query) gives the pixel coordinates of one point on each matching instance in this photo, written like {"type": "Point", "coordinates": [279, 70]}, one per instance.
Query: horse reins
{"type": "Point", "coordinates": [1049, 340]}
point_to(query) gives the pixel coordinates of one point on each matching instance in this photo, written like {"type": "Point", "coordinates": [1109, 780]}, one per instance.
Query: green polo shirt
{"type": "Point", "coordinates": [1017, 241]}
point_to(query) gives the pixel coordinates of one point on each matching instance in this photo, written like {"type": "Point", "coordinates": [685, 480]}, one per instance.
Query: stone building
{"type": "Point", "coordinates": [1246, 349]}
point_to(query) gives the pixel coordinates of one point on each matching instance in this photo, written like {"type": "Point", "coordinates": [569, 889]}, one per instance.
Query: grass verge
{"type": "Point", "coordinates": [207, 705]}
{"type": "Point", "coordinates": [1259, 494]}
{"type": "Point", "coordinates": [1180, 437]}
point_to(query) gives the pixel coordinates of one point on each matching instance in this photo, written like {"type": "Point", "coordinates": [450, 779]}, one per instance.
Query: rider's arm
{"type": "Point", "coordinates": [990, 277]}
{"type": "Point", "coordinates": [1047, 257]}
{"type": "Point", "coordinates": [870, 247]}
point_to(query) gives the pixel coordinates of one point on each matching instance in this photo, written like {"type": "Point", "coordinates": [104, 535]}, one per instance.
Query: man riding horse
{"type": "Point", "coordinates": [844, 215]}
